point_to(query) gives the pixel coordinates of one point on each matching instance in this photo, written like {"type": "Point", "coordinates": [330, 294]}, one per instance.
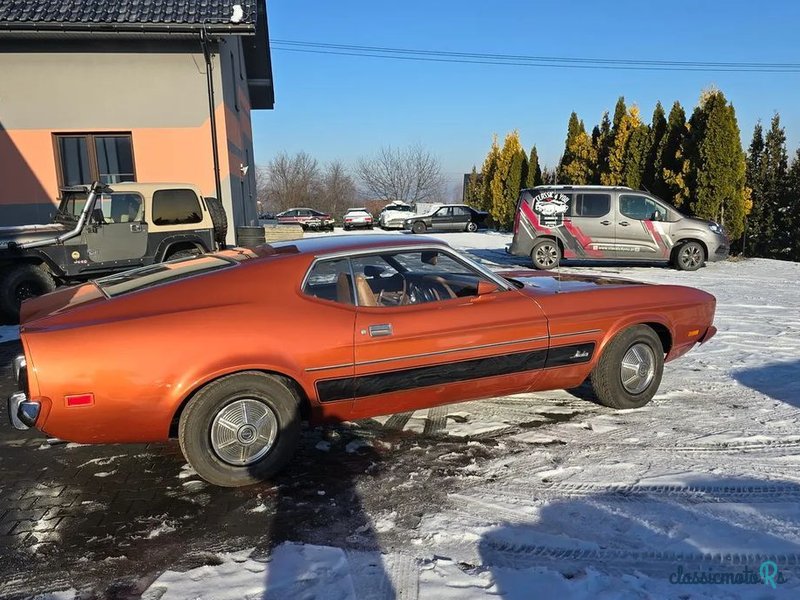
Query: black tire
{"type": "Point", "coordinates": [346, 228]}
{"type": "Point", "coordinates": [609, 376]}
{"type": "Point", "coordinates": [20, 282]}
{"type": "Point", "coordinates": [220, 220]}
{"type": "Point", "coordinates": [472, 227]}
{"type": "Point", "coordinates": [546, 254]}
{"type": "Point", "coordinates": [689, 256]}
{"type": "Point", "coordinates": [189, 252]}
{"type": "Point", "coordinates": [198, 419]}
{"type": "Point", "coordinates": [418, 227]}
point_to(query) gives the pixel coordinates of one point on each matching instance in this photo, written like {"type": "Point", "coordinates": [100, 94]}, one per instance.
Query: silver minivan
{"type": "Point", "coordinates": [594, 222]}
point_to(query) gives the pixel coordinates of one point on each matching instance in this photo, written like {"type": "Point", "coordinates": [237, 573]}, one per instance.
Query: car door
{"type": "Point", "coordinates": [444, 343]}
{"type": "Point", "coordinates": [461, 217]}
{"type": "Point", "coordinates": [117, 231]}
{"type": "Point", "coordinates": [442, 219]}
{"type": "Point", "coordinates": [588, 227]}
{"type": "Point", "coordinates": [638, 234]}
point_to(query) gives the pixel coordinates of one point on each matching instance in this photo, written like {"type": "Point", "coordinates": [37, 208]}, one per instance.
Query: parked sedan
{"type": "Point", "coordinates": [452, 217]}
{"type": "Point", "coordinates": [357, 218]}
{"type": "Point", "coordinates": [229, 351]}
{"type": "Point", "coordinates": [307, 218]}
{"type": "Point", "coordinates": [394, 214]}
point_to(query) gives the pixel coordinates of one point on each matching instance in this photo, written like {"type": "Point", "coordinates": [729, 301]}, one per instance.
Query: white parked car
{"type": "Point", "coordinates": [394, 214]}
{"type": "Point", "coordinates": [357, 217]}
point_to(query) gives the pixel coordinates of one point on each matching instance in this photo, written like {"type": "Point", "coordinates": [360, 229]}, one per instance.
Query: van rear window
{"type": "Point", "coordinates": [145, 277]}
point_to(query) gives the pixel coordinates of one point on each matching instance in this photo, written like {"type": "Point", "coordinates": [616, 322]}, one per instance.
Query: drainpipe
{"type": "Point", "coordinates": [204, 42]}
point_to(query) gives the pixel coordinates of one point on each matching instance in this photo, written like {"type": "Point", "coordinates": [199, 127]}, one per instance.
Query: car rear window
{"type": "Point", "coordinates": [145, 277]}
{"type": "Point", "coordinates": [176, 207]}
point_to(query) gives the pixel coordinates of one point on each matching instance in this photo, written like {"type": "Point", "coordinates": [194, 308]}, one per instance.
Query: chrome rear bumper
{"type": "Point", "coordinates": [22, 412]}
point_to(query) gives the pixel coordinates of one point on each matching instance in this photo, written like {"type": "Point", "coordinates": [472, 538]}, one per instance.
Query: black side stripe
{"type": "Point", "coordinates": [345, 388]}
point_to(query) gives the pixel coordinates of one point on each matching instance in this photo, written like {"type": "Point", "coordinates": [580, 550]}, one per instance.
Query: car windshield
{"type": "Point", "coordinates": [145, 277]}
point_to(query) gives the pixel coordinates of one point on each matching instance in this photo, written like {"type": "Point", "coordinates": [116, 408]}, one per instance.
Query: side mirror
{"type": "Point", "coordinates": [656, 216]}
{"type": "Point", "coordinates": [487, 287]}
{"type": "Point", "coordinates": [97, 216]}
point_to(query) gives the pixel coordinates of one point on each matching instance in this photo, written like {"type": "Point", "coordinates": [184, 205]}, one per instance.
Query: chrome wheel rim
{"type": "Point", "coordinates": [638, 368]}
{"type": "Point", "coordinates": [691, 256]}
{"type": "Point", "coordinates": [472, 227]}
{"type": "Point", "coordinates": [243, 432]}
{"type": "Point", "coordinates": [546, 255]}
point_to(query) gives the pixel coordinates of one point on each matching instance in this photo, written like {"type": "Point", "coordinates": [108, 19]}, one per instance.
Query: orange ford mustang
{"type": "Point", "coordinates": [231, 351]}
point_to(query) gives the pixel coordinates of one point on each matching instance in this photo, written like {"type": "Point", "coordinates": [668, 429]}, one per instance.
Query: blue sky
{"type": "Point", "coordinates": [341, 107]}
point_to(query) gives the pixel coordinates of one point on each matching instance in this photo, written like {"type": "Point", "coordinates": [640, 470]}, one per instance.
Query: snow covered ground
{"type": "Point", "coordinates": [579, 501]}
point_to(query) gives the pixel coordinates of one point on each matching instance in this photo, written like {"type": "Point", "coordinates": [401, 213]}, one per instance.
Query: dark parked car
{"type": "Point", "coordinates": [451, 217]}
{"type": "Point", "coordinates": [307, 218]}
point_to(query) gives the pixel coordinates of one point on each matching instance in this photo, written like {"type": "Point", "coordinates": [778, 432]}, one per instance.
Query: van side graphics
{"type": "Point", "coordinates": [346, 388]}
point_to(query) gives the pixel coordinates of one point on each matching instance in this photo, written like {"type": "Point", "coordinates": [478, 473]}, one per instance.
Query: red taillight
{"type": "Point", "coordinates": [79, 400]}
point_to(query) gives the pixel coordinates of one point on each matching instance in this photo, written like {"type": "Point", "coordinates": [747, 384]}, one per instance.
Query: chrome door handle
{"type": "Point", "coordinates": [380, 330]}
{"type": "Point", "coordinates": [605, 222]}
{"type": "Point", "coordinates": [624, 223]}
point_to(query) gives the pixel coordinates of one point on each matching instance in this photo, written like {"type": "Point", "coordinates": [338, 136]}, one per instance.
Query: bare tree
{"type": "Point", "coordinates": [338, 188]}
{"type": "Point", "coordinates": [289, 181]}
{"type": "Point", "coordinates": [412, 174]}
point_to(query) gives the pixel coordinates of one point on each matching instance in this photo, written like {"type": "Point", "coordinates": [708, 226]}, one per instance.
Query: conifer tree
{"type": "Point", "coordinates": [601, 143]}
{"type": "Point", "coordinates": [776, 227]}
{"type": "Point", "coordinates": [672, 162]}
{"type": "Point", "coordinates": [793, 194]}
{"type": "Point", "coordinates": [619, 146]}
{"type": "Point", "coordinates": [753, 175]}
{"type": "Point", "coordinates": [487, 174]}
{"type": "Point", "coordinates": [658, 129]}
{"type": "Point", "coordinates": [579, 158]}
{"type": "Point", "coordinates": [534, 170]}
{"type": "Point", "coordinates": [472, 195]}
{"type": "Point", "coordinates": [718, 164]}
{"type": "Point", "coordinates": [507, 180]}
{"type": "Point", "coordinates": [635, 152]}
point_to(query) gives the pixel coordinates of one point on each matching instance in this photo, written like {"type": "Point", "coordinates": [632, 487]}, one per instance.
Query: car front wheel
{"type": "Point", "coordinates": [546, 254]}
{"type": "Point", "coordinates": [418, 227]}
{"type": "Point", "coordinates": [629, 370]}
{"type": "Point", "coordinates": [240, 429]}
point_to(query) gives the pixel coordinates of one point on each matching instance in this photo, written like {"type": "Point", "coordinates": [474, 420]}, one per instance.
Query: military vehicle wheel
{"type": "Point", "coordinates": [20, 282]}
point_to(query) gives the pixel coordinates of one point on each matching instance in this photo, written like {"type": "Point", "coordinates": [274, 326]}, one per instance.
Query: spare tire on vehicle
{"type": "Point", "coordinates": [219, 218]}
{"type": "Point", "coordinates": [249, 236]}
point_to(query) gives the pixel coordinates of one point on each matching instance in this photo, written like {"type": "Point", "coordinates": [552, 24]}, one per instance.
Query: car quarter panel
{"type": "Point", "coordinates": [143, 354]}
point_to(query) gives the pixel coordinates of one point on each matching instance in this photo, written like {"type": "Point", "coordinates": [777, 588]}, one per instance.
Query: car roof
{"type": "Point", "coordinates": [355, 209]}
{"type": "Point", "coordinates": [331, 244]}
{"type": "Point", "coordinates": [573, 187]}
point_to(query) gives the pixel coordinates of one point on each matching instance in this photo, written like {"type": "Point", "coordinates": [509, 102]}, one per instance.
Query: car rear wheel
{"type": "Point", "coordinates": [629, 370]}
{"type": "Point", "coordinates": [240, 429]}
{"type": "Point", "coordinates": [690, 256]}
{"type": "Point", "coordinates": [188, 253]}
{"type": "Point", "coordinates": [472, 227]}
{"type": "Point", "coordinates": [546, 254]}
{"type": "Point", "coordinates": [418, 227]}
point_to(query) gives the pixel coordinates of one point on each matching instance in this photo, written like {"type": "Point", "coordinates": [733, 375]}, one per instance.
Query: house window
{"type": "Point", "coordinates": [84, 158]}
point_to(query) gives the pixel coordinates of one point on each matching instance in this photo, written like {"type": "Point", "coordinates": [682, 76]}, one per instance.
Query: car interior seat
{"type": "Point", "coordinates": [366, 297]}
{"type": "Point", "coordinates": [344, 290]}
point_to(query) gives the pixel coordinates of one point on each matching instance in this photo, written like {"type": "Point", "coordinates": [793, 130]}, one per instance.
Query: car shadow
{"type": "Point", "coordinates": [637, 541]}
{"type": "Point", "coordinates": [778, 380]}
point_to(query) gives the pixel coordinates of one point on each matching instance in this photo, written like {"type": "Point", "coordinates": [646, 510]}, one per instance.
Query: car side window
{"type": "Point", "coordinates": [443, 212]}
{"type": "Point", "coordinates": [176, 207]}
{"type": "Point", "coordinates": [641, 208]}
{"type": "Point", "coordinates": [412, 277]}
{"type": "Point", "coordinates": [591, 205]}
{"type": "Point", "coordinates": [460, 211]}
{"type": "Point", "coordinates": [330, 280]}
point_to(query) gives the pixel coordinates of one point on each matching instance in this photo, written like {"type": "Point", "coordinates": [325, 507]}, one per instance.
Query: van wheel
{"type": "Point", "coordinates": [689, 257]}
{"type": "Point", "coordinates": [21, 282]}
{"type": "Point", "coordinates": [546, 254]}
{"type": "Point", "coordinates": [418, 227]}
{"type": "Point", "coordinates": [240, 429]}
{"type": "Point", "coordinates": [629, 370]}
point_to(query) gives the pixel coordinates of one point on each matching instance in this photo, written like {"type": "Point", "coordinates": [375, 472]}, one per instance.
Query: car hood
{"type": "Point", "coordinates": [29, 233]}
{"type": "Point", "coordinates": [547, 282]}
